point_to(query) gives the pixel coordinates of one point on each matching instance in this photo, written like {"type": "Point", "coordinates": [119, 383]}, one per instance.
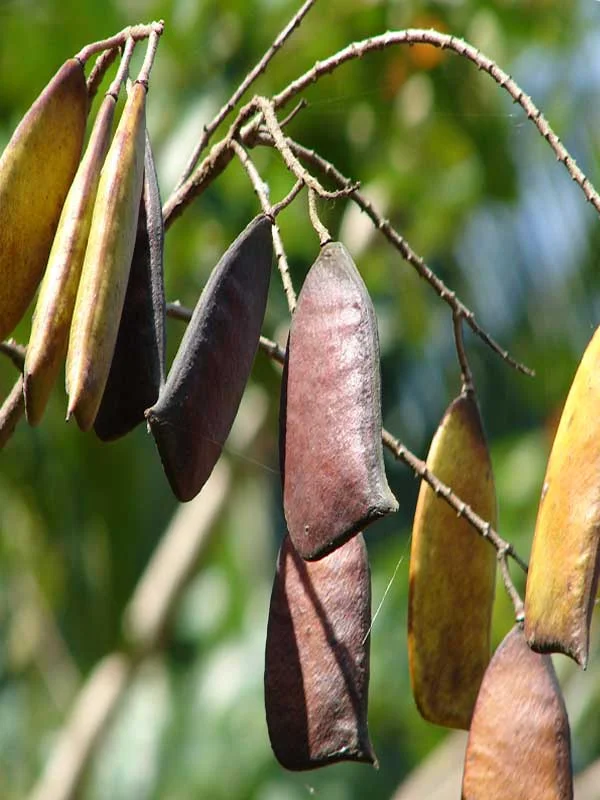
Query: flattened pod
{"type": "Point", "coordinates": [137, 371]}
{"type": "Point", "coordinates": [36, 170]}
{"type": "Point", "coordinates": [54, 308]}
{"type": "Point", "coordinates": [105, 271]}
{"type": "Point", "coordinates": [519, 744]}
{"type": "Point", "coordinates": [197, 407]}
{"type": "Point", "coordinates": [452, 573]}
{"type": "Point", "coordinates": [332, 468]}
{"type": "Point", "coordinates": [565, 556]}
{"type": "Point", "coordinates": [317, 658]}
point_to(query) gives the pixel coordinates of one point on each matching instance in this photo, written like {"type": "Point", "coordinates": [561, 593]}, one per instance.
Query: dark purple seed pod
{"type": "Point", "coordinates": [317, 658]}
{"type": "Point", "coordinates": [197, 406]}
{"type": "Point", "coordinates": [334, 481]}
{"type": "Point", "coordinates": [137, 370]}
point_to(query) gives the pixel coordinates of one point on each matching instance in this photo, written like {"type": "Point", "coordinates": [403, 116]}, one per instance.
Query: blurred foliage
{"type": "Point", "coordinates": [466, 179]}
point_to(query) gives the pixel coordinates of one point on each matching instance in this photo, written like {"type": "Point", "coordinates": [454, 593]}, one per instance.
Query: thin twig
{"type": "Point", "coordinates": [250, 78]}
{"type": "Point", "coordinates": [515, 597]}
{"type": "Point", "coordinates": [466, 375]}
{"type": "Point", "coordinates": [14, 351]}
{"type": "Point", "coordinates": [321, 230]}
{"type": "Point", "coordinates": [482, 62]}
{"type": "Point", "coordinates": [261, 192]}
{"type": "Point", "coordinates": [11, 411]}
{"type": "Point", "coordinates": [398, 241]}
{"type": "Point", "coordinates": [302, 104]}
{"type": "Point", "coordinates": [419, 467]}
{"type": "Point", "coordinates": [290, 160]}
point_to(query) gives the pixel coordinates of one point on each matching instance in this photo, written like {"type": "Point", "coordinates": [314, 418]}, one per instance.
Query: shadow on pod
{"type": "Point", "coordinates": [317, 658]}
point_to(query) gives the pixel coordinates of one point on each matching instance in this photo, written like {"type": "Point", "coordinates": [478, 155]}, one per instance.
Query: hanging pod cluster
{"type": "Point", "coordinates": [82, 228]}
{"type": "Point", "coordinates": [334, 484]}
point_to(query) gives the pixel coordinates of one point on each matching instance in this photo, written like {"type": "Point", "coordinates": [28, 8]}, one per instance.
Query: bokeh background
{"type": "Point", "coordinates": [468, 181]}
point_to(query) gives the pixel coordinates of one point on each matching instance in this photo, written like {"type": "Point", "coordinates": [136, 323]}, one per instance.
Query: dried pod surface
{"type": "Point", "coordinates": [452, 573]}
{"type": "Point", "coordinates": [334, 479]}
{"type": "Point", "coordinates": [317, 658]}
{"type": "Point", "coordinates": [138, 367]}
{"type": "Point", "coordinates": [519, 744]}
{"type": "Point", "coordinates": [565, 556]}
{"type": "Point", "coordinates": [54, 308]}
{"type": "Point", "coordinates": [105, 271]}
{"type": "Point", "coordinates": [36, 170]}
{"type": "Point", "coordinates": [196, 409]}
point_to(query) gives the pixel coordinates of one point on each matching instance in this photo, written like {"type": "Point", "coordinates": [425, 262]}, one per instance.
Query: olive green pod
{"type": "Point", "coordinates": [317, 658]}
{"type": "Point", "coordinates": [137, 371]}
{"type": "Point", "coordinates": [452, 573]}
{"type": "Point", "coordinates": [107, 262]}
{"type": "Point", "coordinates": [196, 409]}
{"type": "Point", "coordinates": [331, 453]}
{"type": "Point", "coordinates": [36, 170]}
{"type": "Point", "coordinates": [519, 745]}
{"type": "Point", "coordinates": [54, 307]}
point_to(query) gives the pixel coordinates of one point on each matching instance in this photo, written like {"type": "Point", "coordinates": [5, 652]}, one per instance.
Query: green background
{"type": "Point", "coordinates": [467, 180]}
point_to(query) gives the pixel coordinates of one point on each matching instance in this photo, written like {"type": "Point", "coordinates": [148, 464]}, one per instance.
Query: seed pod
{"type": "Point", "coordinates": [54, 308]}
{"type": "Point", "coordinates": [36, 170]}
{"type": "Point", "coordinates": [317, 658]}
{"type": "Point", "coordinates": [452, 573]}
{"type": "Point", "coordinates": [137, 371]}
{"type": "Point", "coordinates": [565, 556]}
{"type": "Point", "coordinates": [519, 743]}
{"type": "Point", "coordinates": [332, 468]}
{"type": "Point", "coordinates": [197, 407]}
{"type": "Point", "coordinates": [108, 256]}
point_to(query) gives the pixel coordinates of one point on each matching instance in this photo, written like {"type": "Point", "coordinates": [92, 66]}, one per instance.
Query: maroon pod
{"type": "Point", "coordinates": [317, 658]}
{"type": "Point", "coordinates": [334, 481]}
{"type": "Point", "coordinates": [137, 369]}
{"type": "Point", "coordinates": [196, 408]}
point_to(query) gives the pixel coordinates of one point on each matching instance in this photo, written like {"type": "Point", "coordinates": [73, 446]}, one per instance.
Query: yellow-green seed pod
{"type": "Point", "coordinates": [54, 309]}
{"type": "Point", "coordinates": [36, 170]}
{"type": "Point", "coordinates": [107, 263]}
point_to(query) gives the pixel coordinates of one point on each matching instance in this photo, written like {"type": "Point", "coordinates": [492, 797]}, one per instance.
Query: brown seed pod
{"type": "Point", "coordinates": [332, 467]}
{"type": "Point", "coordinates": [137, 371]}
{"type": "Point", "coordinates": [105, 271]}
{"type": "Point", "coordinates": [54, 308]}
{"type": "Point", "coordinates": [317, 658]}
{"type": "Point", "coordinates": [36, 170]}
{"type": "Point", "coordinates": [519, 743]}
{"type": "Point", "coordinates": [197, 406]}
{"type": "Point", "coordinates": [565, 556]}
{"type": "Point", "coordinates": [452, 573]}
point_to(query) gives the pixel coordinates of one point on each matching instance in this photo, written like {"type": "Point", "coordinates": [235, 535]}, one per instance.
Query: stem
{"type": "Point", "coordinates": [11, 411]}
{"type": "Point", "coordinates": [260, 189]}
{"type": "Point", "coordinates": [245, 84]}
{"type": "Point", "coordinates": [123, 70]}
{"type": "Point", "coordinates": [466, 375]}
{"type": "Point", "coordinates": [482, 62]}
{"type": "Point", "coordinates": [153, 40]}
{"type": "Point", "coordinates": [103, 63]}
{"type": "Point", "coordinates": [321, 230]}
{"type": "Point", "coordinates": [135, 32]}
{"type": "Point", "coordinates": [14, 351]}
{"type": "Point", "coordinates": [405, 250]}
